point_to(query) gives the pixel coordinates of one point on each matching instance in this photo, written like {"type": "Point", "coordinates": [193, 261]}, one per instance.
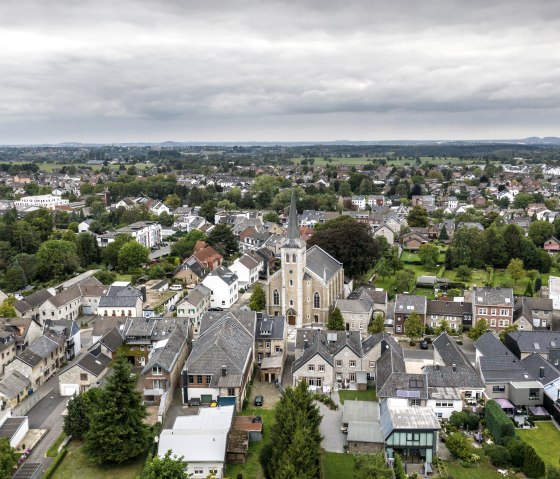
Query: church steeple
{"type": "Point", "coordinates": [293, 237]}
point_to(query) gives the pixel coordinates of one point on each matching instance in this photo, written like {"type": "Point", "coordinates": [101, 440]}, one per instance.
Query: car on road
{"type": "Point", "coordinates": [424, 344]}
{"type": "Point", "coordinates": [259, 400]}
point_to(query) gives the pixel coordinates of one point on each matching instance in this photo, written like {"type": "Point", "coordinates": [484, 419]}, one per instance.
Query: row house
{"type": "Point", "coordinates": [30, 306]}
{"type": "Point", "coordinates": [24, 331]}
{"type": "Point", "coordinates": [328, 358]}
{"type": "Point", "coordinates": [220, 364]}
{"type": "Point", "coordinates": [495, 305]}
{"type": "Point", "coordinates": [40, 201]}
{"type": "Point", "coordinates": [405, 305]}
{"type": "Point", "coordinates": [41, 360]}
{"type": "Point", "coordinates": [456, 313]}
{"type": "Point", "coordinates": [271, 346]}
{"type": "Point", "coordinates": [87, 372]}
{"type": "Point", "coordinates": [194, 306]}
{"type": "Point", "coordinates": [533, 314]}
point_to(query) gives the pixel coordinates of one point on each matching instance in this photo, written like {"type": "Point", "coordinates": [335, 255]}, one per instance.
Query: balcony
{"type": "Point", "coordinates": [153, 392]}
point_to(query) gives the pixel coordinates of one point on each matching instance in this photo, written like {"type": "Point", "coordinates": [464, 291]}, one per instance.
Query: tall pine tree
{"type": "Point", "coordinates": [336, 321]}
{"type": "Point", "coordinates": [117, 431]}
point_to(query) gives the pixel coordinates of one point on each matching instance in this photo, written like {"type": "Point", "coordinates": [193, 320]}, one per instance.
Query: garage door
{"type": "Point", "coordinates": [68, 389]}
{"type": "Point", "coordinates": [206, 398]}
{"type": "Point", "coordinates": [87, 310]}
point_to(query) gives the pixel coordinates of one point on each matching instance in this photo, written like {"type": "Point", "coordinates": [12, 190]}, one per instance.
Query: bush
{"type": "Point", "coordinates": [533, 465]}
{"type": "Point", "coordinates": [398, 467]}
{"type": "Point", "coordinates": [460, 446]}
{"type": "Point", "coordinates": [466, 420]}
{"type": "Point", "coordinates": [326, 400]}
{"type": "Point", "coordinates": [516, 448]}
{"type": "Point", "coordinates": [499, 455]}
{"type": "Point", "coordinates": [54, 465]}
{"type": "Point", "coordinates": [500, 426]}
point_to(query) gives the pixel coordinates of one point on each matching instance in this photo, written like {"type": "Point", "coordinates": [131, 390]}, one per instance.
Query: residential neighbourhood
{"type": "Point", "coordinates": [428, 297]}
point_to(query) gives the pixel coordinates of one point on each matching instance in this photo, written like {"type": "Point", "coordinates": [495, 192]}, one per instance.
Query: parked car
{"type": "Point", "coordinates": [259, 400]}
{"type": "Point", "coordinates": [175, 287]}
{"type": "Point", "coordinates": [424, 344]}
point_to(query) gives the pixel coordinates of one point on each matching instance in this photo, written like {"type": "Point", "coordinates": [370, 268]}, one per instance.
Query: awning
{"type": "Point", "coordinates": [504, 403]}
{"type": "Point", "coordinates": [538, 411]}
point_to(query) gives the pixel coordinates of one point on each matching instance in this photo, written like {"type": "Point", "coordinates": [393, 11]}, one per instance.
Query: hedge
{"type": "Point", "coordinates": [533, 466]}
{"type": "Point", "coordinates": [500, 426]}
{"type": "Point", "coordinates": [398, 467]}
{"type": "Point", "coordinates": [54, 465]}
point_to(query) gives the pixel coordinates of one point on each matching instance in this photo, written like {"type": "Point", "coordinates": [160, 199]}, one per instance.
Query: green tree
{"type": "Point", "coordinates": [377, 325]}
{"type": "Point", "coordinates": [405, 280]}
{"type": "Point", "coordinates": [258, 298]}
{"type": "Point", "coordinates": [8, 459]}
{"type": "Point", "coordinates": [132, 255]}
{"type": "Point", "coordinates": [165, 219]}
{"type": "Point", "coordinates": [222, 239]}
{"type": "Point", "coordinates": [87, 249]}
{"type": "Point", "coordinates": [76, 422]}
{"type": "Point", "coordinates": [417, 217]}
{"type": "Point", "coordinates": [368, 466]}
{"type": "Point", "coordinates": [336, 321]}
{"type": "Point", "coordinates": [166, 467]}
{"type": "Point", "coordinates": [56, 258]}
{"type": "Point", "coordinates": [110, 253]}
{"type": "Point", "coordinates": [7, 309]}
{"type": "Point", "coordinates": [463, 273]}
{"type": "Point", "coordinates": [443, 234]}
{"type": "Point", "coordinates": [184, 246]}
{"type": "Point", "coordinates": [383, 268]}
{"type": "Point", "coordinates": [552, 472]}
{"type": "Point", "coordinates": [349, 242]}
{"type": "Point", "coordinates": [515, 269]}
{"type": "Point", "coordinates": [271, 216]}
{"type": "Point", "coordinates": [429, 255]}
{"type": "Point", "coordinates": [508, 329]}
{"type": "Point", "coordinates": [443, 327]}
{"type": "Point", "coordinates": [413, 326]}
{"type": "Point", "coordinates": [540, 231]}
{"type": "Point", "coordinates": [478, 329]}
{"type": "Point", "coordinates": [105, 277]}
{"type": "Point", "coordinates": [172, 200]}
{"type": "Point", "coordinates": [117, 431]}
{"type": "Point", "coordinates": [208, 211]}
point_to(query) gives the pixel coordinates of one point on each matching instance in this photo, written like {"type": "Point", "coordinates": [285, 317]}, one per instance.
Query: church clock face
{"type": "Point", "coordinates": [291, 271]}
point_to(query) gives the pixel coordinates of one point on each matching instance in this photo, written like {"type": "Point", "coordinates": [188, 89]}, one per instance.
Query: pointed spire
{"type": "Point", "coordinates": [293, 223]}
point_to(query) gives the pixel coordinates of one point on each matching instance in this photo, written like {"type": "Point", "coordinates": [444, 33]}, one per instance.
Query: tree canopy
{"type": "Point", "coordinates": [336, 321]}
{"type": "Point", "coordinates": [258, 298]}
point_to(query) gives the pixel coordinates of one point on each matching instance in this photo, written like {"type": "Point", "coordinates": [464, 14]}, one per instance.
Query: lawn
{"type": "Point", "coordinates": [124, 277]}
{"type": "Point", "coordinates": [252, 468]}
{"type": "Point", "coordinates": [53, 450]}
{"type": "Point", "coordinates": [542, 438]}
{"type": "Point", "coordinates": [337, 465]}
{"type": "Point", "coordinates": [478, 277]}
{"type": "Point", "coordinates": [484, 471]}
{"type": "Point", "coordinates": [346, 395]}
{"type": "Point", "coordinates": [76, 464]}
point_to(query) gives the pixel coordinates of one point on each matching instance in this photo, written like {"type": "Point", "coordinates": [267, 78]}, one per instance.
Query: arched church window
{"type": "Point", "coordinates": [294, 260]}
{"type": "Point", "coordinates": [316, 300]}
{"type": "Point", "coordinates": [287, 258]}
{"type": "Point", "coordinates": [291, 283]}
{"type": "Point", "coordinates": [275, 298]}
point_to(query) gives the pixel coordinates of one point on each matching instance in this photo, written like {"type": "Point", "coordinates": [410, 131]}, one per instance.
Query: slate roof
{"type": "Point", "coordinates": [112, 340]}
{"type": "Point", "coordinates": [66, 296]}
{"type": "Point", "coordinates": [226, 275]}
{"type": "Point", "coordinates": [272, 325]}
{"type": "Point", "coordinates": [386, 339]}
{"type": "Point", "coordinates": [449, 351]}
{"type": "Point", "coordinates": [451, 308]}
{"type": "Point", "coordinates": [490, 345]}
{"type": "Point", "coordinates": [355, 306]}
{"type": "Point", "coordinates": [226, 343]}
{"type": "Point", "coordinates": [94, 364]}
{"type": "Point", "coordinates": [248, 262]}
{"type": "Point", "coordinates": [502, 369]}
{"type": "Point", "coordinates": [13, 383]}
{"type": "Point", "coordinates": [327, 344]}
{"type": "Point", "coordinates": [167, 356]}
{"type": "Point", "coordinates": [197, 295]}
{"type": "Point", "coordinates": [522, 342]}
{"type": "Point", "coordinates": [40, 349]}
{"type": "Point", "coordinates": [407, 303]}
{"type": "Point", "coordinates": [68, 326]}
{"type": "Point", "coordinates": [493, 296]}
{"type": "Point", "coordinates": [120, 296]}
{"type": "Point", "coordinates": [32, 301]}
{"type": "Point", "coordinates": [533, 364]}
{"type": "Point", "coordinates": [194, 265]}
{"type": "Point", "coordinates": [318, 261]}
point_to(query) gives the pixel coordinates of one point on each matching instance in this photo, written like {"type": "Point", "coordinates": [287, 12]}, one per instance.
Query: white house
{"type": "Point", "coordinates": [194, 306]}
{"type": "Point", "coordinates": [359, 201]}
{"type": "Point", "coordinates": [41, 201]}
{"type": "Point", "coordinates": [147, 233]}
{"type": "Point", "coordinates": [224, 287]}
{"type": "Point", "coordinates": [83, 227]}
{"type": "Point", "coordinates": [201, 440]}
{"type": "Point", "coordinates": [247, 270]}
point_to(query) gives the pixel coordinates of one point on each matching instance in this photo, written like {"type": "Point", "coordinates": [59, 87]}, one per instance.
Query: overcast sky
{"type": "Point", "coordinates": [155, 70]}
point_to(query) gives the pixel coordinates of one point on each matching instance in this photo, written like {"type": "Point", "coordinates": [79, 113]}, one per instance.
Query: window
{"type": "Point", "coordinates": [294, 258]}
{"type": "Point", "coordinates": [439, 415]}
{"type": "Point", "coordinates": [287, 258]}
{"type": "Point", "coordinates": [504, 312]}
{"type": "Point", "coordinates": [231, 391]}
{"type": "Point", "coordinates": [267, 344]}
{"type": "Point", "coordinates": [482, 311]}
{"type": "Point", "coordinates": [208, 379]}
{"type": "Point", "coordinates": [444, 404]}
{"type": "Point", "coordinates": [214, 470]}
{"type": "Point", "coordinates": [316, 316]}
{"type": "Point", "coordinates": [291, 283]}
{"type": "Point", "coordinates": [311, 368]}
{"type": "Point", "coordinates": [493, 322]}
{"type": "Point", "coordinates": [83, 376]}
{"type": "Point", "coordinates": [352, 363]}
{"type": "Point", "coordinates": [316, 300]}
{"type": "Point", "coordinates": [399, 328]}
{"type": "Point", "coordinates": [199, 379]}
{"type": "Point", "coordinates": [199, 471]}
{"type": "Point", "coordinates": [338, 363]}
{"type": "Point", "coordinates": [275, 298]}
{"type": "Point", "coordinates": [191, 379]}
{"type": "Point", "coordinates": [321, 368]}
{"type": "Point", "coordinates": [352, 377]}
{"type": "Point", "coordinates": [291, 302]}
{"type": "Point", "coordinates": [372, 364]}
{"type": "Point", "coordinates": [498, 389]}
{"type": "Point", "coordinates": [156, 370]}
{"type": "Point", "coordinates": [534, 394]}
{"type": "Point", "coordinates": [415, 402]}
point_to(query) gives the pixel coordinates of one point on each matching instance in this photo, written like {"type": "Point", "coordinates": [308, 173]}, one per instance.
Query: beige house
{"type": "Point", "coordinates": [41, 360]}
{"type": "Point", "coordinates": [308, 284]}
{"type": "Point", "coordinates": [194, 306]}
{"type": "Point", "coordinates": [14, 387]}
{"type": "Point", "coordinates": [80, 376]}
{"type": "Point", "coordinates": [271, 346]}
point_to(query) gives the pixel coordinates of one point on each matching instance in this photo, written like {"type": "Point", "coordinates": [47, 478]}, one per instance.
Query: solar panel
{"type": "Point", "coordinates": [537, 346]}
{"type": "Point", "coordinates": [407, 394]}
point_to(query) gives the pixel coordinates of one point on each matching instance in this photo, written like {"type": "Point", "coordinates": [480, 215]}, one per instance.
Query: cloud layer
{"type": "Point", "coordinates": [149, 70]}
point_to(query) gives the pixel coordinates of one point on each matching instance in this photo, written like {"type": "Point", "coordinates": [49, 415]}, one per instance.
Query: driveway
{"type": "Point", "coordinates": [333, 439]}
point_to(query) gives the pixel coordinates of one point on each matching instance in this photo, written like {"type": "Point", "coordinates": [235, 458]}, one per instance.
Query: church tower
{"type": "Point", "coordinates": [293, 269]}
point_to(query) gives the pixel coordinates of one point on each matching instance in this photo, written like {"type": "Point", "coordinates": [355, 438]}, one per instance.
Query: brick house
{"type": "Point", "coordinates": [495, 305]}
{"type": "Point", "coordinates": [207, 255]}
{"type": "Point", "coordinates": [405, 305]}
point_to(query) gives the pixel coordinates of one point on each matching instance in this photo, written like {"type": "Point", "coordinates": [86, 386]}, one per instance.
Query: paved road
{"type": "Point", "coordinates": [333, 439]}
{"type": "Point", "coordinates": [43, 411]}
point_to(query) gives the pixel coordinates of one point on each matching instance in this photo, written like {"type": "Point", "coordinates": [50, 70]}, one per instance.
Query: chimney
{"type": "Point", "coordinates": [224, 370]}
{"type": "Point", "coordinates": [325, 274]}
{"type": "Point", "coordinates": [454, 368]}
{"type": "Point", "coordinates": [305, 344]}
{"type": "Point", "coordinates": [541, 372]}
{"type": "Point", "coordinates": [144, 295]}
{"type": "Point", "coordinates": [437, 366]}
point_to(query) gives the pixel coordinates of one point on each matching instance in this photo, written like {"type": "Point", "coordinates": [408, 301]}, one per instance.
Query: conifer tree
{"type": "Point", "coordinates": [336, 321]}
{"type": "Point", "coordinates": [117, 431]}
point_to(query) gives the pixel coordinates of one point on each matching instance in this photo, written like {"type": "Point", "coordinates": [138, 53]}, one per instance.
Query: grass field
{"type": "Point", "coordinates": [252, 468]}
{"type": "Point", "coordinates": [77, 465]}
{"type": "Point", "coordinates": [337, 465]}
{"type": "Point", "coordinates": [346, 395]}
{"type": "Point", "coordinates": [483, 471]}
{"type": "Point", "coordinates": [542, 438]}
{"type": "Point", "coordinates": [49, 166]}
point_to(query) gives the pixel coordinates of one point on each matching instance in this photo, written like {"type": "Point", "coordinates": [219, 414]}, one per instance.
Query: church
{"type": "Point", "coordinates": [309, 282]}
